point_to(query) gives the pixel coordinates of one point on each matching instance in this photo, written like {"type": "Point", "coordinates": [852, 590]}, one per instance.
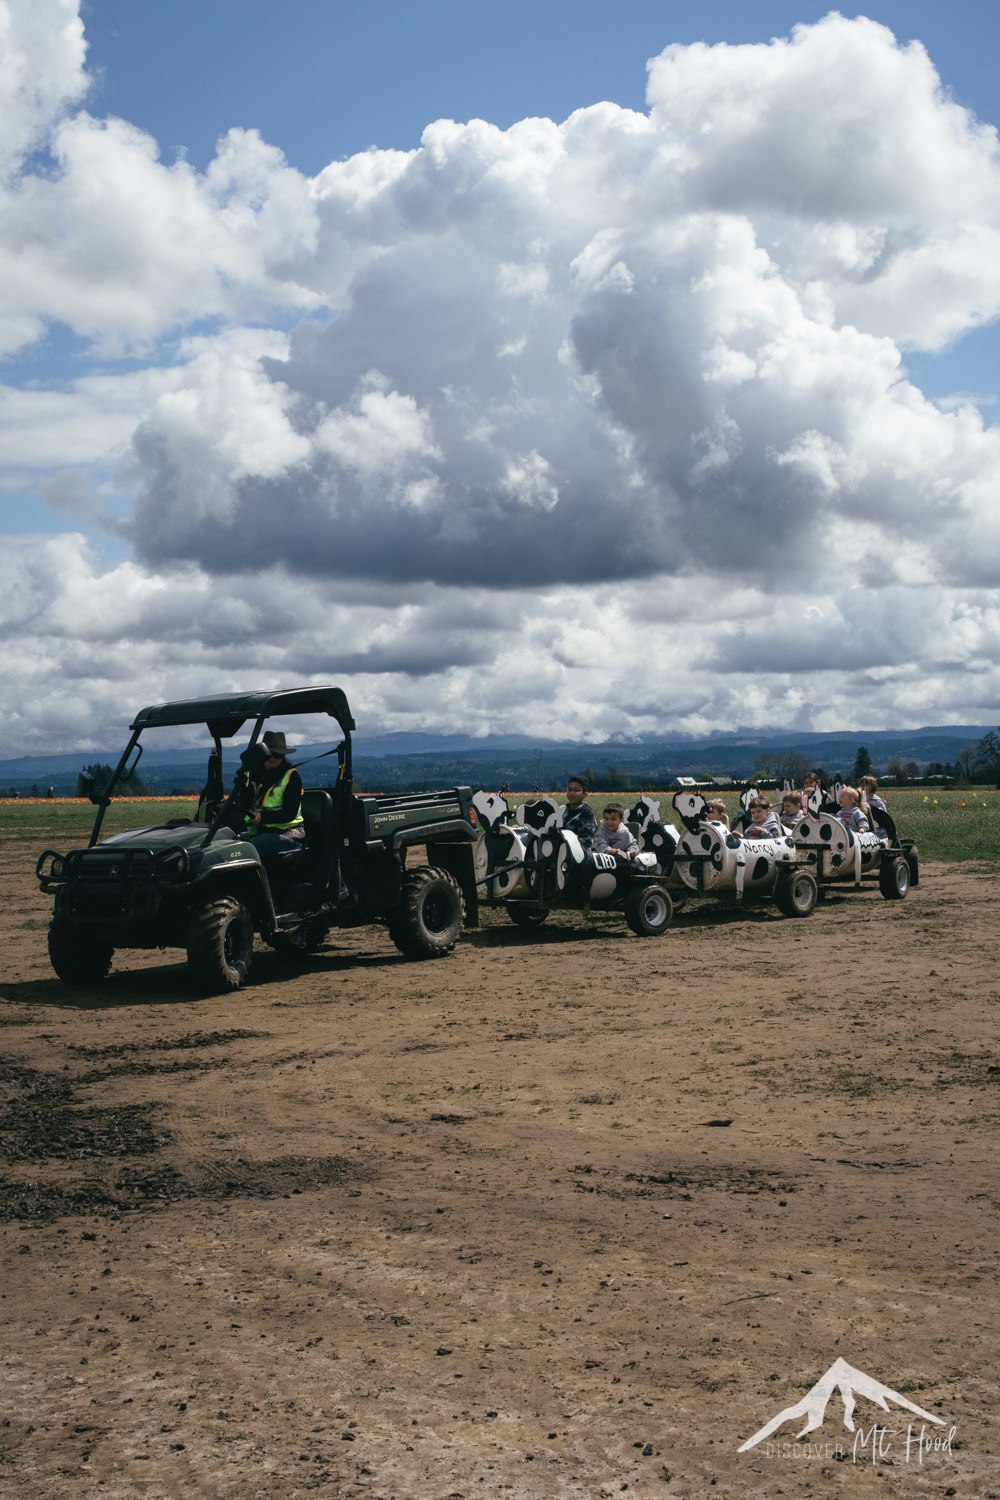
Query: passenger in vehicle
{"type": "Point", "coordinates": [851, 814]}
{"type": "Point", "coordinates": [868, 786]}
{"type": "Point", "coordinates": [715, 812]}
{"type": "Point", "coordinates": [792, 811]}
{"type": "Point", "coordinates": [614, 836]}
{"type": "Point", "coordinates": [763, 820]}
{"type": "Point", "coordinates": [578, 815]}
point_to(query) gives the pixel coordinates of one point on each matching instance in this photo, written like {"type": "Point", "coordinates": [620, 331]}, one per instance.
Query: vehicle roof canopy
{"type": "Point", "coordinates": [226, 715]}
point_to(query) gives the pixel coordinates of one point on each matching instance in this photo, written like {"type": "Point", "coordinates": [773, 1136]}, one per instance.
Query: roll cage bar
{"type": "Point", "coordinates": [224, 717]}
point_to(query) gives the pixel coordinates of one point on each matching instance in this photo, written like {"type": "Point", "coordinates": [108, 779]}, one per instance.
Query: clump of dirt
{"type": "Point", "coordinates": [132, 1191]}
{"type": "Point", "coordinates": [42, 1122]}
{"type": "Point", "coordinates": [165, 1044]}
{"type": "Point", "coordinates": [39, 1121]}
{"type": "Point", "coordinates": [730, 1179]}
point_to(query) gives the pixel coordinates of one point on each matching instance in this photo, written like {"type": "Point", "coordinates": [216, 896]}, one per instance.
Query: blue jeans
{"type": "Point", "coordinates": [279, 854]}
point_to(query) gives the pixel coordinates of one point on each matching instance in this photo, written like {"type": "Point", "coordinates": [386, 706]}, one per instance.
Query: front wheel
{"type": "Point", "coordinates": [648, 911]}
{"type": "Point", "coordinates": [429, 917]}
{"type": "Point", "coordinates": [894, 877]}
{"type": "Point", "coordinates": [220, 944]}
{"type": "Point", "coordinates": [77, 957]}
{"type": "Point", "coordinates": [796, 893]}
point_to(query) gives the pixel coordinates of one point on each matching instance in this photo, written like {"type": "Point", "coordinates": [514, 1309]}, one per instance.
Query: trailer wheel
{"type": "Point", "coordinates": [429, 917]}
{"type": "Point", "coordinates": [796, 892]}
{"type": "Point", "coordinates": [220, 944]}
{"type": "Point", "coordinates": [913, 860]}
{"type": "Point", "coordinates": [894, 877]}
{"type": "Point", "coordinates": [77, 957]}
{"type": "Point", "coordinates": [648, 911]}
{"type": "Point", "coordinates": [526, 916]}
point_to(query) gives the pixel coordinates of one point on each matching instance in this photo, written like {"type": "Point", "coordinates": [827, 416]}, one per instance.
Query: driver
{"type": "Point", "coordinates": [275, 822]}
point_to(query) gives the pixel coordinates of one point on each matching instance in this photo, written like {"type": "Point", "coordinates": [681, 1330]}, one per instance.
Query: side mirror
{"type": "Point", "coordinates": [85, 787]}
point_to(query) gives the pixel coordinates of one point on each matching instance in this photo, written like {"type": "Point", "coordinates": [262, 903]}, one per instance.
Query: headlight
{"type": "Point", "coordinates": [50, 866]}
{"type": "Point", "coordinates": [173, 863]}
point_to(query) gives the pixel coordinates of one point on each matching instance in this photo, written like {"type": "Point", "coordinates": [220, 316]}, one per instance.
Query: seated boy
{"type": "Point", "coordinates": [792, 811]}
{"type": "Point", "coordinates": [613, 836]}
{"type": "Point", "coordinates": [763, 821]}
{"type": "Point", "coordinates": [715, 812]}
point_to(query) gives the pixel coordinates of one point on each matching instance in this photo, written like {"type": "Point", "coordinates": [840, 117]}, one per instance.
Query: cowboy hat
{"type": "Point", "coordinates": [275, 742]}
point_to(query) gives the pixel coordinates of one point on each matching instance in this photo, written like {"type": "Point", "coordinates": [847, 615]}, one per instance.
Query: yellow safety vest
{"type": "Point", "coordinates": [272, 798]}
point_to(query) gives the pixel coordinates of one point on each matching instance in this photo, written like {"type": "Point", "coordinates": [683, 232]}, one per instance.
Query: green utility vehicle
{"type": "Point", "coordinates": [200, 884]}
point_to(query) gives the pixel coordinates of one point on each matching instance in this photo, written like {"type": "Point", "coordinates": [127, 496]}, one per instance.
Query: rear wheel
{"type": "Point", "coordinates": [796, 892]}
{"type": "Point", "coordinates": [648, 911]}
{"type": "Point", "coordinates": [428, 919]}
{"type": "Point", "coordinates": [77, 957]}
{"type": "Point", "coordinates": [526, 916]}
{"type": "Point", "coordinates": [220, 944]}
{"type": "Point", "coordinates": [913, 860]}
{"type": "Point", "coordinates": [894, 877]}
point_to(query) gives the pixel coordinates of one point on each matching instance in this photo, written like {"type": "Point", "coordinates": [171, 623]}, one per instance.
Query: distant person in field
{"type": "Point", "coordinates": [851, 813]}
{"type": "Point", "coordinates": [578, 815]}
{"type": "Point", "coordinates": [614, 835]}
{"type": "Point", "coordinates": [763, 819]}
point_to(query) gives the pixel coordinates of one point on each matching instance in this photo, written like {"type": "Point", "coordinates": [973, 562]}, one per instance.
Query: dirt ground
{"type": "Point", "coordinates": [570, 1213]}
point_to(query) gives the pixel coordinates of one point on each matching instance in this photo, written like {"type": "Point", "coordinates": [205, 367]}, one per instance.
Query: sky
{"type": "Point", "coordinates": [563, 369]}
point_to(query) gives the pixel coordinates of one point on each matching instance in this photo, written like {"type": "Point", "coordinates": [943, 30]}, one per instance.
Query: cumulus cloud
{"type": "Point", "coordinates": [646, 342]}
{"type": "Point", "coordinates": [565, 398]}
{"type": "Point", "coordinates": [42, 75]}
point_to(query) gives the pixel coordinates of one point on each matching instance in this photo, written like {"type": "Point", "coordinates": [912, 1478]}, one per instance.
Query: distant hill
{"type": "Point", "coordinates": [405, 759]}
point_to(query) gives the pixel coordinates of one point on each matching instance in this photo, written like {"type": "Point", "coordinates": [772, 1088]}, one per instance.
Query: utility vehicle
{"type": "Point", "coordinates": [199, 884]}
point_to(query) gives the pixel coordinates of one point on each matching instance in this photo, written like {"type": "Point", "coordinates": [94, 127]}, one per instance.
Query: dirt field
{"type": "Point", "coordinates": [568, 1214]}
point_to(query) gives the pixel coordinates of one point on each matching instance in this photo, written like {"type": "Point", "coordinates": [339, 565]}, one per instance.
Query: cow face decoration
{"type": "Point", "coordinates": [690, 807]}
{"type": "Point", "coordinates": [540, 815]}
{"type": "Point", "coordinates": [492, 810]}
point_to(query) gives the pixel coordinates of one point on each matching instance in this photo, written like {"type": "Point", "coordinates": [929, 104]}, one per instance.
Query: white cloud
{"type": "Point", "coordinates": [122, 248]}
{"type": "Point", "coordinates": [594, 417]}
{"type": "Point", "coordinates": [42, 51]}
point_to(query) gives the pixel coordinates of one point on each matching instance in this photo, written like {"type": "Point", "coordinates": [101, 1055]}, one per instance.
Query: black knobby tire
{"type": "Point", "coordinates": [526, 916]}
{"type": "Point", "coordinates": [77, 957]}
{"type": "Point", "coordinates": [429, 917]}
{"type": "Point", "coordinates": [796, 892]}
{"type": "Point", "coordinates": [894, 877]}
{"type": "Point", "coordinates": [220, 944]}
{"type": "Point", "coordinates": [648, 911]}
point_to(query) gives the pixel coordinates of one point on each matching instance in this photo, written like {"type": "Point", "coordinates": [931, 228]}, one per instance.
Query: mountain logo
{"type": "Point", "coordinates": [851, 1383]}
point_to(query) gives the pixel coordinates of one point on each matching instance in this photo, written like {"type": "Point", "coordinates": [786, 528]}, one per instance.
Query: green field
{"type": "Point", "coordinates": [67, 824]}
{"type": "Point", "coordinates": [953, 825]}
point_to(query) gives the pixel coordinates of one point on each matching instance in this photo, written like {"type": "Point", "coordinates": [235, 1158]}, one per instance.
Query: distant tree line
{"type": "Point", "coordinates": [975, 764]}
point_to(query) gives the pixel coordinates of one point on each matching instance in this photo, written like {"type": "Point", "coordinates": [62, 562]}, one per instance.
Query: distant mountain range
{"type": "Point", "coordinates": [404, 759]}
